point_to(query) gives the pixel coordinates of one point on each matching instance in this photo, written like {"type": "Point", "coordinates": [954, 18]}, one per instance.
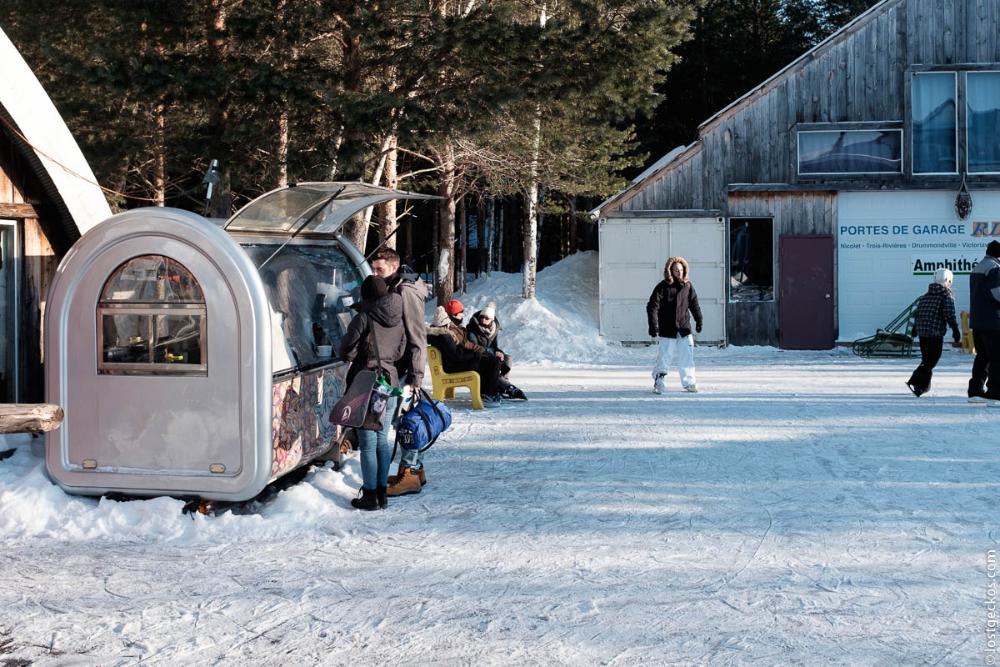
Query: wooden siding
{"type": "Point", "coordinates": [859, 75]}
{"type": "Point", "coordinates": [793, 213]}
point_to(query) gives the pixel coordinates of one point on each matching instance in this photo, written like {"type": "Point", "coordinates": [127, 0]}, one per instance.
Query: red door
{"type": "Point", "coordinates": [805, 294]}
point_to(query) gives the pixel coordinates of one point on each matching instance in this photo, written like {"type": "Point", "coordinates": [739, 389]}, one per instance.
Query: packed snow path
{"type": "Point", "coordinates": [803, 509]}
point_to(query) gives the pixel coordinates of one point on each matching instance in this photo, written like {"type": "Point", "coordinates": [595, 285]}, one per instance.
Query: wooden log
{"type": "Point", "coordinates": [29, 417]}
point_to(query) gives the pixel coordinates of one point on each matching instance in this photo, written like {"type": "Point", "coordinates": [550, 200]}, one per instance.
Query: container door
{"type": "Point", "coordinates": [805, 297]}
{"type": "Point", "coordinates": [702, 242]}
{"type": "Point", "coordinates": [9, 311]}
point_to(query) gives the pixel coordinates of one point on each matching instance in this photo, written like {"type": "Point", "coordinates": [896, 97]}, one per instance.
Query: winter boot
{"type": "Point", "coordinates": [512, 392]}
{"type": "Point", "coordinates": [407, 482]}
{"type": "Point", "coordinates": [366, 500]}
{"type": "Point", "coordinates": [381, 497]}
{"type": "Point", "coordinates": [393, 479]}
{"type": "Point", "coordinates": [658, 385]}
{"type": "Point", "coordinates": [693, 388]}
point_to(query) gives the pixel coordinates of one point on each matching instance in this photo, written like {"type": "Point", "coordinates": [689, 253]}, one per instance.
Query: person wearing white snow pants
{"type": "Point", "coordinates": [669, 312]}
{"type": "Point", "coordinates": [683, 347]}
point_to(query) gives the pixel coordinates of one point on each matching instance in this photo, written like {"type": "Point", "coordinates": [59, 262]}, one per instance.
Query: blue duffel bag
{"type": "Point", "coordinates": [419, 427]}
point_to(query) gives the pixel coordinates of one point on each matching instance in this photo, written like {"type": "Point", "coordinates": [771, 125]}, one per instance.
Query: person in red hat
{"type": "Point", "coordinates": [459, 353]}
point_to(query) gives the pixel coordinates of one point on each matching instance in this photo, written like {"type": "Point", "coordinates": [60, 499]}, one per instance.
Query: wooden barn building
{"type": "Point", "coordinates": [48, 197]}
{"type": "Point", "coordinates": [814, 208]}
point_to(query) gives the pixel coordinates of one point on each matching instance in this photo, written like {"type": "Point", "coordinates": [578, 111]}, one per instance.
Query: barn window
{"type": "Point", "coordinates": [151, 320]}
{"type": "Point", "coordinates": [850, 152]}
{"type": "Point", "coordinates": [935, 122]}
{"type": "Point", "coordinates": [983, 102]}
{"type": "Point", "coordinates": [751, 259]}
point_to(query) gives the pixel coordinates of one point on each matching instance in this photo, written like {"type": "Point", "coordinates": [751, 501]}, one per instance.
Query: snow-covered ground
{"type": "Point", "coordinates": [803, 509]}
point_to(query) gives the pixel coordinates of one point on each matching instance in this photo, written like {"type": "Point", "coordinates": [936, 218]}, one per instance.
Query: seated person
{"type": "Point", "coordinates": [484, 330]}
{"type": "Point", "coordinates": [459, 354]}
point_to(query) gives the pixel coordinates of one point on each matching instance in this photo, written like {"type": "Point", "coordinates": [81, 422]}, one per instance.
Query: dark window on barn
{"type": "Point", "coordinates": [850, 152]}
{"type": "Point", "coordinates": [935, 123]}
{"type": "Point", "coordinates": [983, 100]}
{"type": "Point", "coordinates": [751, 259]}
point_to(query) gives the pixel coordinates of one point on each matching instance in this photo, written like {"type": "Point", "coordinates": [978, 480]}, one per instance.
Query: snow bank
{"type": "Point", "coordinates": [560, 325]}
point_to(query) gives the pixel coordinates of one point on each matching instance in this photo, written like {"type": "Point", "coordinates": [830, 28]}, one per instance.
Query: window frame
{"type": "Point", "coordinates": [729, 259]}
{"type": "Point", "coordinates": [959, 119]}
{"type": "Point", "coordinates": [838, 128]}
{"type": "Point", "coordinates": [152, 309]}
{"type": "Point", "coordinates": [965, 110]}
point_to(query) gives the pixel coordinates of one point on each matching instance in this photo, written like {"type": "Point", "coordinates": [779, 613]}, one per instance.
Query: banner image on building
{"type": "Point", "coordinates": [889, 244]}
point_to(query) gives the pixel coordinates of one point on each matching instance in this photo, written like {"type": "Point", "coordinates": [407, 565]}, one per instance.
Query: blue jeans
{"type": "Point", "coordinates": [376, 450]}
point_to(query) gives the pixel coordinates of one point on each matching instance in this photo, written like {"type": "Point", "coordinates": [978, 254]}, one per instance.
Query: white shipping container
{"type": "Point", "coordinates": [633, 252]}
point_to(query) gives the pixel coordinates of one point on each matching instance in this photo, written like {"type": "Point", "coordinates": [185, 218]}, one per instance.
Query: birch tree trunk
{"type": "Point", "coordinates": [160, 159]}
{"type": "Point", "coordinates": [463, 244]}
{"type": "Point", "coordinates": [445, 274]}
{"type": "Point", "coordinates": [283, 145]}
{"type": "Point", "coordinates": [481, 244]}
{"type": "Point", "coordinates": [530, 240]}
{"type": "Point", "coordinates": [387, 211]}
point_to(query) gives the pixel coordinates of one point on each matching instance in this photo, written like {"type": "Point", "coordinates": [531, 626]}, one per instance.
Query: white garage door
{"type": "Point", "coordinates": [632, 254]}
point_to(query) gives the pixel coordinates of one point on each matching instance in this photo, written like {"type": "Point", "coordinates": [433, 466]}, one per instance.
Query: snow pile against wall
{"type": "Point", "coordinates": [560, 325]}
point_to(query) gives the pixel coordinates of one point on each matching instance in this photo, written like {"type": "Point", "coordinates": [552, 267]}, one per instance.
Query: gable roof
{"type": "Point", "coordinates": [49, 147]}
{"type": "Point", "coordinates": [676, 156]}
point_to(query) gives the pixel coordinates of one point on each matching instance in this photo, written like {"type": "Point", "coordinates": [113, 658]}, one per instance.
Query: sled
{"type": "Point", "coordinates": [895, 340]}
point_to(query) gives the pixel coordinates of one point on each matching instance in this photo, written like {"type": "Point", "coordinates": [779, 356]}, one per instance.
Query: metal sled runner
{"type": "Point", "coordinates": [895, 340]}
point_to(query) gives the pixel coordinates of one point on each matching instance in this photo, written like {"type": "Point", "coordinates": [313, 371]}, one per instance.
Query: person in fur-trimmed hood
{"type": "Point", "coordinates": [669, 312]}
{"type": "Point", "coordinates": [484, 329]}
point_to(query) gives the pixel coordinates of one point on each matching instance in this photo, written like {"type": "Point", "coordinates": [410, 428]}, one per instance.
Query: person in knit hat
{"type": "Point", "coordinates": [935, 313]}
{"type": "Point", "coordinates": [484, 329]}
{"type": "Point", "coordinates": [984, 319]}
{"type": "Point", "coordinates": [376, 340]}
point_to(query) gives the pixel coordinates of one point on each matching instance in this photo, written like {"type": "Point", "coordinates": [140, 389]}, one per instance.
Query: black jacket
{"type": "Point", "coordinates": [984, 293]}
{"type": "Point", "coordinates": [668, 307]}
{"type": "Point", "coordinates": [487, 337]}
{"type": "Point", "coordinates": [376, 331]}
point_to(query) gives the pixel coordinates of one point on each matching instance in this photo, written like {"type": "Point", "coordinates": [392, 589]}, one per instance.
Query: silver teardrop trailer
{"type": "Point", "coordinates": [194, 359]}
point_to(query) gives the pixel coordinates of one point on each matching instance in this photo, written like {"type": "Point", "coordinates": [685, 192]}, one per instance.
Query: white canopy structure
{"type": "Point", "coordinates": [37, 122]}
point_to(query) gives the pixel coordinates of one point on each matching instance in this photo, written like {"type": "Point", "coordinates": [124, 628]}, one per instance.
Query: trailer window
{"type": "Point", "coordinates": [152, 320]}
{"type": "Point", "coordinates": [751, 259]}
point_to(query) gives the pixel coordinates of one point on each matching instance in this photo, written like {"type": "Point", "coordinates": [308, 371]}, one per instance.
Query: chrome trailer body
{"type": "Point", "coordinates": [195, 361]}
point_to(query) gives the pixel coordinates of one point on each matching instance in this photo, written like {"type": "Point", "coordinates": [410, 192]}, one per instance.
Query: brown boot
{"type": "Point", "coordinates": [393, 479]}
{"type": "Point", "coordinates": [406, 482]}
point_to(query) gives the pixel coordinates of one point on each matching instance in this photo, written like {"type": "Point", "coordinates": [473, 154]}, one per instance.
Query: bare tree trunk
{"type": "Point", "coordinates": [283, 145]}
{"type": "Point", "coordinates": [463, 244]}
{"type": "Point", "coordinates": [357, 229]}
{"type": "Point", "coordinates": [572, 225]}
{"type": "Point", "coordinates": [501, 219]}
{"type": "Point", "coordinates": [480, 235]}
{"type": "Point", "coordinates": [387, 211]}
{"type": "Point", "coordinates": [445, 278]}
{"type": "Point", "coordinates": [530, 240]}
{"type": "Point", "coordinates": [160, 158]}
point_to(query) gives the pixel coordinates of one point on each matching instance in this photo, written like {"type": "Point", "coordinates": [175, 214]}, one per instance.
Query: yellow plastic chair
{"type": "Point", "coordinates": [968, 345]}
{"type": "Point", "coordinates": [444, 384]}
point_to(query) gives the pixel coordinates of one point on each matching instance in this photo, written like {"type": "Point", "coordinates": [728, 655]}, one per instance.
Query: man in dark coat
{"type": "Point", "coordinates": [669, 312]}
{"type": "Point", "coordinates": [405, 282]}
{"type": "Point", "coordinates": [984, 319]}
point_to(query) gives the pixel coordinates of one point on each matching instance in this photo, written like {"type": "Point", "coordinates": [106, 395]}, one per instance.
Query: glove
{"type": "Point", "coordinates": [697, 327]}
{"type": "Point", "coordinates": [957, 338]}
